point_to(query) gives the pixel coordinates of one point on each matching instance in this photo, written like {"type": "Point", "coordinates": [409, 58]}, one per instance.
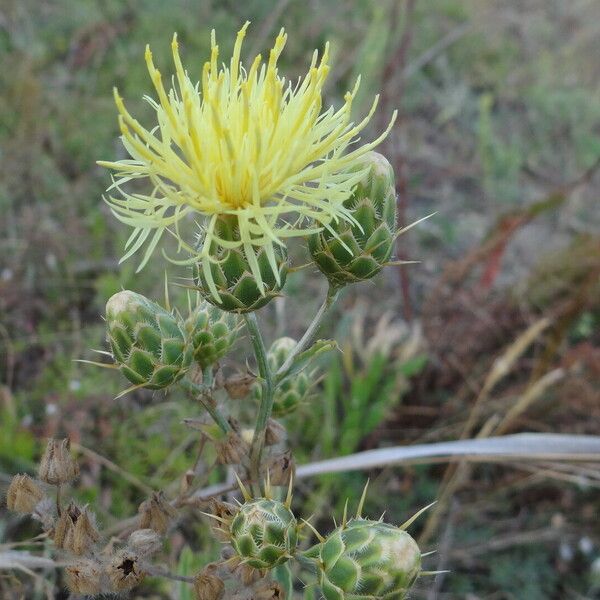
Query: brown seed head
{"type": "Point", "coordinates": [144, 542]}
{"type": "Point", "coordinates": [274, 433]}
{"type": "Point", "coordinates": [76, 530]}
{"type": "Point", "coordinates": [156, 513]}
{"type": "Point", "coordinates": [23, 494]}
{"type": "Point", "coordinates": [269, 591]}
{"type": "Point", "coordinates": [125, 571]}
{"type": "Point", "coordinates": [84, 577]}
{"type": "Point", "coordinates": [57, 465]}
{"type": "Point", "coordinates": [208, 585]}
{"type": "Point", "coordinates": [238, 386]}
{"type": "Point", "coordinates": [225, 513]}
{"type": "Point", "coordinates": [231, 450]}
{"type": "Point", "coordinates": [281, 467]}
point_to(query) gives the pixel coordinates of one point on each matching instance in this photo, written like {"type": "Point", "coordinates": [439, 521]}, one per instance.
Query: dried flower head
{"type": "Point", "coordinates": [268, 590]}
{"type": "Point", "coordinates": [223, 513]}
{"type": "Point", "coordinates": [244, 142]}
{"type": "Point", "coordinates": [76, 530]}
{"type": "Point", "coordinates": [156, 513]}
{"type": "Point", "coordinates": [125, 571]}
{"type": "Point", "coordinates": [84, 577]}
{"type": "Point", "coordinates": [281, 468]}
{"type": "Point", "coordinates": [208, 585]}
{"type": "Point", "coordinates": [274, 433]}
{"type": "Point", "coordinates": [238, 386]}
{"type": "Point", "coordinates": [232, 449]}
{"type": "Point", "coordinates": [144, 542]}
{"type": "Point", "coordinates": [23, 494]}
{"type": "Point", "coordinates": [57, 465]}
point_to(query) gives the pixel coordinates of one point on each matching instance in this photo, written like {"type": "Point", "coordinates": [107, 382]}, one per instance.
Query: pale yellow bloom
{"type": "Point", "coordinates": [243, 142]}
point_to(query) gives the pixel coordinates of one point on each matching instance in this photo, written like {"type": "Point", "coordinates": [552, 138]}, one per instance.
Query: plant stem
{"type": "Point", "coordinates": [212, 410]}
{"type": "Point", "coordinates": [266, 400]}
{"type": "Point", "coordinates": [305, 341]}
{"type": "Point", "coordinates": [58, 502]}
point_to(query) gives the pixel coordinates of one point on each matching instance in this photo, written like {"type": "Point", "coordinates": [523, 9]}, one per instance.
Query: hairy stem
{"type": "Point", "coordinates": [213, 411]}
{"type": "Point", "coordinates": [309, 334]}
{"type": "Point", "coordinates": [266, 400]}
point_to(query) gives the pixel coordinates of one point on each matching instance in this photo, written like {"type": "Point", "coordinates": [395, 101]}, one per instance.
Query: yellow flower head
{"type": "Point", "coordinates": [241, 142]}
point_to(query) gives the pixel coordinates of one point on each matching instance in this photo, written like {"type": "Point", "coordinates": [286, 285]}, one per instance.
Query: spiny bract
{"type": "Point", "coordinates": [229, 283]}
{"type": "Point", "coordinates": [349, 252]}
{"type": "Point", "coordinates": [368, 560]}
{"type": "Point", "coordinates": [147, 342]}
{"type": "Point", "coordinates": [211, 332]}
{"type": "Point", "coordinates": [264, 533]}
{"type": "Point", "coordinates": [292, 391]}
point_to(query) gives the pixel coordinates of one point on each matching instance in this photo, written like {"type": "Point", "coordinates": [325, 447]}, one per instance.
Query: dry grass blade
{"type": "Point", "coordinates": [532, 393]}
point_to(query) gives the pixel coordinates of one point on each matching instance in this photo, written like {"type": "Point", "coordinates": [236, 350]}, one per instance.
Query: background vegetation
{"type": "Point", "coordinates": [499, 133]}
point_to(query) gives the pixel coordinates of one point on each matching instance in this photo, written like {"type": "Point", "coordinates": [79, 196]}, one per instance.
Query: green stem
{"type": "Point", "coordinates": [309, 334]}
{"type": "Point", "coordinates": [212, 410]}
{"type": "Point", "coordinates": [266, 400]}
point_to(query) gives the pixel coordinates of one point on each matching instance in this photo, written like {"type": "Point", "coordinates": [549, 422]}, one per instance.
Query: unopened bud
{"type": "Point", "coordinates": [144, 542]}
{"type": "Point", "coordinates": [76, 530]}
{"type": "Point", "coordinates": [232, 449]}
{"type": "Point", "coordinates": [57, 465]}
{"type": "Point", "coordinates": [156, 513]}
{"type": "Point", "coordinates": [281, 468]}
{"type": "Point", "coordinates": [208, 585]}
{"type": "Point", "coordinates": [274, 433]}
{"type": "Point", "coordinates": [125, 571]}
{"type": "Point", "coordinates": [23, 494]}
{"type": "Point", "coordinates": [84, 577]}
{"type": "Point", "coordinates": [238, 386]}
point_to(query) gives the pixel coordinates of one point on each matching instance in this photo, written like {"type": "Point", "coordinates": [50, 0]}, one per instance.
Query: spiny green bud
{"type": "Point", "coordinates": [264, 533]}
{"type": "Point", "coordinates": [211, 332]}
{"type": "Point", "coordinates": [366, 559]}
{"type": "Point", "coordinates": [235, 280]}
{"type": "Point", "coordinates": [148, 342]}
{"type": "Point", "coordinates": [292, 391]}
{"type": "Point", "coordinates": [352, 252]}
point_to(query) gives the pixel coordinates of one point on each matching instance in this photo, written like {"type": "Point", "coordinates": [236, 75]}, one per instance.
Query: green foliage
{"type": "Point", "coordinates": [18, 447]}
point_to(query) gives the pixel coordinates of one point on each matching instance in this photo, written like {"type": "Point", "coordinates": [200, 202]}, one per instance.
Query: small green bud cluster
{"type": "Point", "coordinates": [154, 348]}
{"type": "Point", "coordinates": [292, 391]}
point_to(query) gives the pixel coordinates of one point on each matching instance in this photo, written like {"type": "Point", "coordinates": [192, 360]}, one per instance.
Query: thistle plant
{"type": "Point", "coordinates": [236, 165]}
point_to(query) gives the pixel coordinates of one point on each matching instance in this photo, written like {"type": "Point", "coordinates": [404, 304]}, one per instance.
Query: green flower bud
{"type": "Point", "coordinates": [264, 533]}
{"type": "Point", "coordinates": [211, 332]}
{"type": "Point", "coordinates": [148, 342]}
{"type": "Point", "coordinates": [292, 391]}
{"type": "Point", "coordinates": [353, 252]}
{"type": "Point", "coordinates": [236, 285]}
{"type": "Point", "coordinates": [368, 560]}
